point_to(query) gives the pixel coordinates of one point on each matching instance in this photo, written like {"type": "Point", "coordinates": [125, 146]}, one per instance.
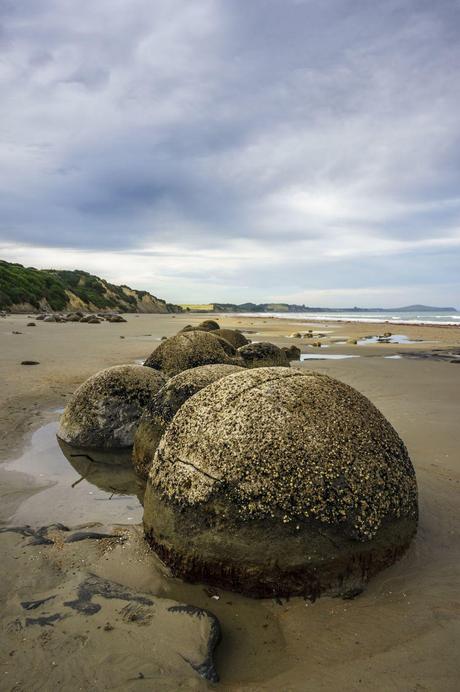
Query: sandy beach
{"type": "Point", "coordinates": [401, 634]}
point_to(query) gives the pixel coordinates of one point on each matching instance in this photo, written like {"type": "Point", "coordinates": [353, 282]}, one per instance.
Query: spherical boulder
{"type": "Point", "coordinates": [262, 354]}
{"type": "Point", "coordinates": [233, 336]}
{"type": "Point", "coordinates": [164, 406]}
{"type": "Point", "coordinates": [188, 350]}
{"type": "Point", "coordinates": [105, 410]}
{"type": "Point", "coordinates": [292, 352]}
{"type": "Point", "coordinates": [208, 326]}
{"type": "Point", "coordinates": [280, 482]}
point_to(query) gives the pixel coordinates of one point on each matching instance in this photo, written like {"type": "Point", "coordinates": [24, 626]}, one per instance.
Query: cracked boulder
{"type": "Point", "coordinates": [191, 349]}
{"type": "Point", "coordinates": [164, 406]}
{"type": "Point", "coordinates": [280, 482]}
{"type": "Point", "coordinates": [104, 411]}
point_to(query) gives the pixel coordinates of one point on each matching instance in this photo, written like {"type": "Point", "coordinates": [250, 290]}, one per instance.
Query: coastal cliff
{"type": "Point", "coordinates": [25, 289]}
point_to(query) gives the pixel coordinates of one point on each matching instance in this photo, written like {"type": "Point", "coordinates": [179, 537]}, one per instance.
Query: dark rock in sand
{"type": "Point", "coordinates": [105, 410]}
{"type": "Point", "coordinates": [30, 362]}
{"type": "Point", "coordinates": [115, 318]}
{"type": "Point", "coordinates": [292, 352]}
{"type": "Point", "coordinates": [73, 318]}
{"type": "Point", "coordinates": [160, 412]}
{"type": "Point", "coordinates": [280, 482]}
{"type": "Point", "coordinates": [205, 326]}
{"type": "Point", "coordinates": [263, 354]}
{"type": "Point", "coordinates": [233, 336]}
{"type": "Point", "coordinates": [188, 350]}
{"type": "Point", "coordinates": [31, 324]}
{"type": "Point", "coordinates": [208, 326]}
{"type": "Point", "coordinates": [49, 318]}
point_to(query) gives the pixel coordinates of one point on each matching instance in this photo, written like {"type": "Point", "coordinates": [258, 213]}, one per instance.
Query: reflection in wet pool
{"type": "Point", "coordinates": [72, 488]}
{"type": "Point", "coordinates": [393, 339]}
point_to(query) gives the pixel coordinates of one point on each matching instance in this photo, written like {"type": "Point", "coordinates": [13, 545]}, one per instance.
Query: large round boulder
{"type": "Point", "coordinates": [208, 326]}
{"type": "Point", "coordinates": [276, 481]}
{"type": "Point", "coordinates": [104, 411]}
{"type": "Point", "coordinates": [292, 352]}
{"type": "Point", "coordinates": [263, 354]}
{"type": "Point", "coordinates": [233, 336]}
{"type": "Point", "coordinates": [164, 406]}
{"type": "Point", "coordinates": [188, 350]}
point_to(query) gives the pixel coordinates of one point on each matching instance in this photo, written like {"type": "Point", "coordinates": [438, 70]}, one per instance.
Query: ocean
{"type": "Point", "coordinates": [395, 317]}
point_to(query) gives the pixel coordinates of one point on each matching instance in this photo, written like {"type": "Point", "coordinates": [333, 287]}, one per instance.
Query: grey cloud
{"type": "Point", "coordinates": [214, 123]}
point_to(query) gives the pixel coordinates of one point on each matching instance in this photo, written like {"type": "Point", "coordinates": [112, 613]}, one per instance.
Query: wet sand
{"type": "Point", "coordinates": [402, 633]}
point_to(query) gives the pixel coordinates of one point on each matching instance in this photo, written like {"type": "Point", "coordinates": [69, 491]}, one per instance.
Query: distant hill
{"type": "Point", "coordinates": [287, 307]}
{"type": "Point", "coordinates": [25, 289]}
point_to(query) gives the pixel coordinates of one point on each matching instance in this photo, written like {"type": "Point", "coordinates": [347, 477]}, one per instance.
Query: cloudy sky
{"type": "Point", "coordinates": [234, 150]}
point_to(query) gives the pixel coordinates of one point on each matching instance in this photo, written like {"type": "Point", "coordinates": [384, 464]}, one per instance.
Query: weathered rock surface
{"type": "Point", "coordinates": [189, 350]}
{"type": "Point", "coordinates": [275, 481]}
{"type": "Point", "coordinates": [262, 354]}
{"type": "Point", "coordinates": [105, 410]}
{"type": "Point", "coordinates": [233, 336]}
{"type": "Point", "coordinates": [292, 352]}
{"type": "Point", "coordinates": [208, 325]}
{"type": "Point", "coordinates": [164, 406]}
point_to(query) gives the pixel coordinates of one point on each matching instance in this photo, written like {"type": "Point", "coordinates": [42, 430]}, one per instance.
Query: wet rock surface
{"type": "Point", "coordinates": [273, 481]}
{"type": "Point", "coordinates": [105, 410]}
{"type": "Point", "coordinates": [159, 640]}
{"type": "Point", "coordinates": [292, 352]}
{"type": "Point", "coordinates": [164, 407]}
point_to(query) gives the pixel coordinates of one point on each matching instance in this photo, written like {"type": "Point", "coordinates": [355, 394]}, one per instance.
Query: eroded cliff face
{"type": "Point", "coordinates": [25, 289]}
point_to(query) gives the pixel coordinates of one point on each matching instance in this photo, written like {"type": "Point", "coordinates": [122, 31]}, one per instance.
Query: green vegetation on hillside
{"type": "Point", "coordinates": [91, 289]}
{"type": "Point", "coordinates": [19, 284]}
{"type": "Point", "coordinates": [50, 288]}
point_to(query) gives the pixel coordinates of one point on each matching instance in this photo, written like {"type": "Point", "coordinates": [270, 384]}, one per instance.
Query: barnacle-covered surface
{"type": "Point", "coordinates": [164, 406]}
{"type": "Point", "coordinates": [104, 411]}
{"type": "Point", "coordinates": [189, 350]}
{"type": "Point", "coordinates": [271, 448]}
{"type": "Point", "coordinates": [233, 336]}
{"type": "Point", "coordinates": [262, 354]}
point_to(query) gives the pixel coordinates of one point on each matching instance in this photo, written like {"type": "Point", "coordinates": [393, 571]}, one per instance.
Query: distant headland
{"type": "Point", "coordinates": [289, 307]}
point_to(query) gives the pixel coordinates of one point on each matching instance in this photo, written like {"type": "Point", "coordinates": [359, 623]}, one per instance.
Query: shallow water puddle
{"type": "Point", "coordinates": [393, 339]}
{"type": "Point", "coordinates": [72, 489]}
{"type": "Point", "coordinates": [328, 356]}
